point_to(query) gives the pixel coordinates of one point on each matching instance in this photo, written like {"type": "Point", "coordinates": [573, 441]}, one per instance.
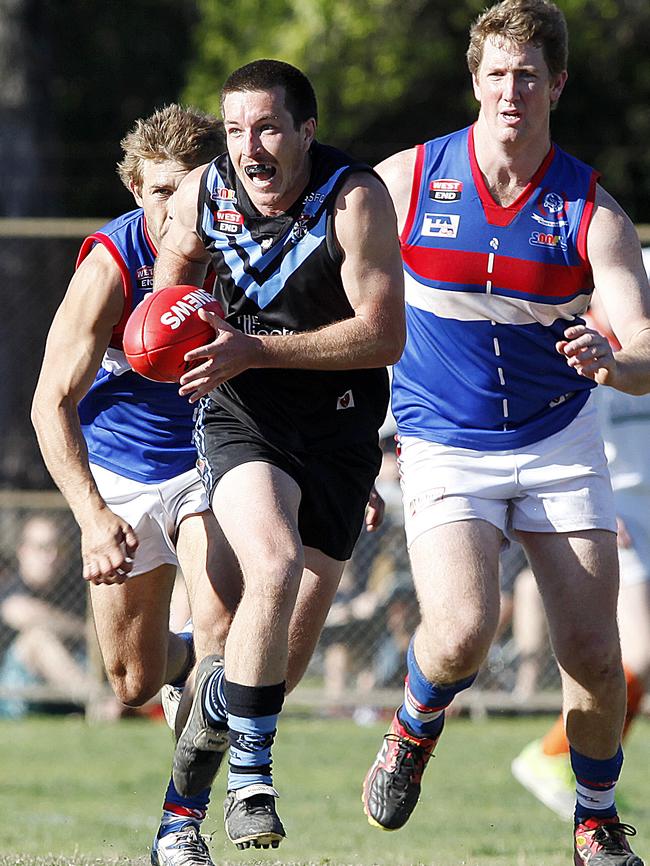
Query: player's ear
{"type": "Point", "coordinates": [476, 87]}
{"type": "Point", "coordinates": [309, 132]}
{"type": "Point", "coordinates": [557, 86]}
{"type": "Point", "coordinates": [136, 192]}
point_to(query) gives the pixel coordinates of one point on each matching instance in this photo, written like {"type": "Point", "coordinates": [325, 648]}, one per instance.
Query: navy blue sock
{"type": "Point", "coordinates": [187, 636]}
{"type": "Point", "coordinates": [423, 710]}
{"type": "Point", "coordinates": [595, 784]}
{"type": "Point", "coordinates": [179, 811]}
{"type": "Point", "coordinates": [214, 699]}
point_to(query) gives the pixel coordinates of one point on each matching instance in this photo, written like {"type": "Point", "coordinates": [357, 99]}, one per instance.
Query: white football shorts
{"type": "Point", "coordinates": [155, 511]}
{"type": "Point", "coordinates": [560, 484]}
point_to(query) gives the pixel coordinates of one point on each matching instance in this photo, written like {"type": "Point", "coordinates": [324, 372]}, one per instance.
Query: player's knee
{"type": "Point", "coordinates": [594, 663]}
{"type": "Point", "coordinates": [458, 649]}
{"type": "Point", "coordinates": [132, 686]}
{"type": "Point", "coordinates": [276, 578]}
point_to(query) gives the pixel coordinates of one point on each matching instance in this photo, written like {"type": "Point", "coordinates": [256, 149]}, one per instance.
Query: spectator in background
{"type": "Point", "coordinates": [42, 614]}
{"type": "Point", "coordinates": [362, 628]}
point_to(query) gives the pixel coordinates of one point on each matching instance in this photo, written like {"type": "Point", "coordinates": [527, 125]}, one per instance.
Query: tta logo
{"type": "Point", "coordinates": [445, 189]}
{"type": "Point", "coordinates": [345, 401]}
{"type": "Point", "coordinates": [228, 221]}
{"type": "Point", "coordinates": [222, 193]}
{"type": "Point", "coordinates": [440, 225]}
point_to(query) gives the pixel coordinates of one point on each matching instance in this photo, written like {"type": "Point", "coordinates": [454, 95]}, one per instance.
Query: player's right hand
{"type": "Point", "coordinates": [108, 545]}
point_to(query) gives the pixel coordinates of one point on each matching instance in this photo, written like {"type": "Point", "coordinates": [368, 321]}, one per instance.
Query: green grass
{"type": "Point", "coordinates": [71, 793]}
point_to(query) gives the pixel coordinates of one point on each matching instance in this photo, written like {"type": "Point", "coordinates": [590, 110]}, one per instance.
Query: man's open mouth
{"type": "Point", "coordinates": [260, 171]}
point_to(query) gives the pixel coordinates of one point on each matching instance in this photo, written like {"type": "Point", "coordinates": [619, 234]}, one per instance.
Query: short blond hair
{"type": "Point", "coordinates": [539, 22]}
{"type": "Point", "coordinates": [182, 134]}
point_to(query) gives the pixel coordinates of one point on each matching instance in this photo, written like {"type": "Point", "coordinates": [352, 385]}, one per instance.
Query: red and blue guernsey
{"type": "Point", "coordinates": [489, 291]}
{"type": "Point", "coordinates": [135, 427]}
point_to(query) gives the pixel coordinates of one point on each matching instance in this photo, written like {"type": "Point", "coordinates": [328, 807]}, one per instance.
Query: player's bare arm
{"type": "Point", "coordinates": [366, 230]}
{"type": "Point", "coordinates": [79, 335]}
{"type": "Point", "coordinates": [619, 276]}
{"type": "Point", "coordinates": [397, 174]}
{"type": "Point", "coordinates": [182, 258]}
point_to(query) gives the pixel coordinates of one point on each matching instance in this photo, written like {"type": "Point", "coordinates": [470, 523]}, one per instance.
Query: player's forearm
{"type": "Point", "coordinates": [65, 455]}
{"type": "Point", "coordinates": [633, 365]}
{"type": "Point", "coordinates": [354, 343]}
{"type": "Point", "coordinates": [175, 269]}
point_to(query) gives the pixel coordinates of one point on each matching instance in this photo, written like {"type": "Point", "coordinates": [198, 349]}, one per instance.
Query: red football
{"type": "Point", "coordinates": [163, 327]}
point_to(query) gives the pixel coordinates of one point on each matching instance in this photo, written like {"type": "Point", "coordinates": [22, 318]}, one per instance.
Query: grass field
{"type": "Point", "coordinates": [71, 793]}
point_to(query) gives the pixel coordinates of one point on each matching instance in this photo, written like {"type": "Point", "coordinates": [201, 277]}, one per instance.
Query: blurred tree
{"type": "Point", "coordinates": [390, 73]}
{"type": "Point", "coordinates": [97, 66]}
{"type": "Point", "coordinates": [24, 63]}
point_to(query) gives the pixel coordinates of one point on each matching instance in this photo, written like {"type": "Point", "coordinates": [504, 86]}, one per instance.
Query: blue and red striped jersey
{"type": "Point", "coordinates": [489, 291]}
{"type": "Point", "coordinates": [135, 427]}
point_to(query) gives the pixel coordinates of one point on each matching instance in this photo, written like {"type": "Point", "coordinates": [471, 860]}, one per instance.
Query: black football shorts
{"type": "Point", "coordinates": [335, 484]}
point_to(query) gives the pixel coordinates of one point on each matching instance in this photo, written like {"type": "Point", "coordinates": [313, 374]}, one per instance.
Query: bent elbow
{"type": "Point", "coordinates": [36, 414]}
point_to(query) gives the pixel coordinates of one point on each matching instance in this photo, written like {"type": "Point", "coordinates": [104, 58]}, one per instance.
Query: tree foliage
{"type": "Point", "coordinates": [390, 73]}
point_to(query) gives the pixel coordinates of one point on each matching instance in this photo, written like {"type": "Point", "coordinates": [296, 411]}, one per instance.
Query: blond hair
{"type": "Point", "coordinates": [539, 22]}
{"type": "Point", "coordinates": [182, 134]}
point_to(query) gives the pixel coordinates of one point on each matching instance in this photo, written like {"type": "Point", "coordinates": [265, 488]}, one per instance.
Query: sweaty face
{"type": "Point", "coordinates": [268, 153]}
{"type": "Point", "coordinates": [160, 180]}
{"type": "Point", "coordinates": [516, 91]}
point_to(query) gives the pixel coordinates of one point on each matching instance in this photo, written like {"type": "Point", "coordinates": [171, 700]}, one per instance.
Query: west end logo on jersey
{"type": "Point", "coordinates": [222, 193]}
{"type": "Point", "coordinates": [551, 208]}
{"type": "Point", "coordinates": [144, 277]}
{"type": "Point", "coordinates": [179, 311]}
{"type": "Point", "coordinates": [228, 221]}
{"type": "Point", "coordinates": [445, 189]}
{"type": "Point", "coordinates": [440, 225]}
{"type": "Point", "coordinates": [548, 240]}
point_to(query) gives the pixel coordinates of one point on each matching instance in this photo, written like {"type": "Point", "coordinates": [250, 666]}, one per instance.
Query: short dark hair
{"type": "Point", "coordinates": [540, 22]}
{"type": "Point", "coordinates": [299, 96]}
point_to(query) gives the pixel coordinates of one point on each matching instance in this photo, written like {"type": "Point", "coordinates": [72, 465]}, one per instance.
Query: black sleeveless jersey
{"type": "Point", "coordinates": [282, 275]}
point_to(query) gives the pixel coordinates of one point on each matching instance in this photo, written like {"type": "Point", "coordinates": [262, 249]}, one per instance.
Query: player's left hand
{"type": "Point", "coordinates": [229, 354]}
{"type": "Point", "coordinates": [589, 353]}
{"type": "Point", "coordinates": [375, 510]}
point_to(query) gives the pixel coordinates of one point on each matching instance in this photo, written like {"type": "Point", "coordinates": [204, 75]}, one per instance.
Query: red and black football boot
{"type": "Point", "coordinates": [602, 842]}
{"type": "Point", "coordinates": [392, 786]}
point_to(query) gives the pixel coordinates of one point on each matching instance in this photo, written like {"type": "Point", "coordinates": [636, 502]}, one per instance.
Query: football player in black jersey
{"type": "Point", "coordinates": [292, 392]}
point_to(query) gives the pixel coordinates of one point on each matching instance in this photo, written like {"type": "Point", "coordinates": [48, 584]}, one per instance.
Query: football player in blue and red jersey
{"type": "Point", "coordinates": [504, 236]}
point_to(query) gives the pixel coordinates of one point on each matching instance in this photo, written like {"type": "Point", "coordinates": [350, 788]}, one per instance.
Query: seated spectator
{"type": "Point", "coordinates": [43, 624]}
{"type": "Point", "coordinates": [362, 641]}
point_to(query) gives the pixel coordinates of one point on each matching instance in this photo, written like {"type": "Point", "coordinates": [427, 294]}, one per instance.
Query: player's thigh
{"type": "Point", "coordinates": [456, 574]}
{"type": "Point", "coordinates": [320, 580]}
{"type": "Point", "coordinates": [212, 577]}
{"type": "Point", "coordinates": [256, 504]}
{"type": "Point", "coordinates": [577, 574]}
{"type": "Point", "coordinates": [132, 620]}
